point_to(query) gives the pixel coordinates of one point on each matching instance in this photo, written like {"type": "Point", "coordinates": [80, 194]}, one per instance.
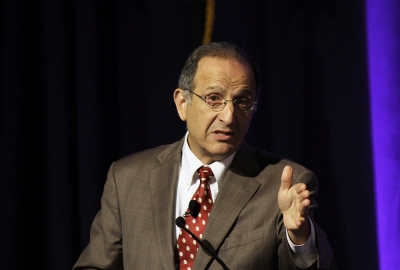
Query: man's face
{"type": "Point", "coordinates": [216, 135]}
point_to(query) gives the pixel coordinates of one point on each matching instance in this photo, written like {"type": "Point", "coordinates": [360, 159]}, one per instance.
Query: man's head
{"type": "Point", "coordinates": [222, 50]}
{"type": "Point", "coordinates": [216, 73]}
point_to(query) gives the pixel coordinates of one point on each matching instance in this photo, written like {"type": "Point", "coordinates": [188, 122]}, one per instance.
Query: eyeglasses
{"type": "Point", "coordinates": [217, 102]}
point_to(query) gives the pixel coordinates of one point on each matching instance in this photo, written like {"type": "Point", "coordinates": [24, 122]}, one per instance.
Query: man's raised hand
{"type": "Point", "coordinates": [294, 201]}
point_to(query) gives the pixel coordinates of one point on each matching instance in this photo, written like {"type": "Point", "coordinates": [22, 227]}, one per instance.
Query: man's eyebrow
{"type": "Point", "coordinates": [216, 87]}
{"type": "Point", "coordinates": [242, 91]}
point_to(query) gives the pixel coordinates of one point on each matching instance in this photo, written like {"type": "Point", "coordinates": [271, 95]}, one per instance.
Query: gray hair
{"type": "Point", "coordinates": [222, 50]}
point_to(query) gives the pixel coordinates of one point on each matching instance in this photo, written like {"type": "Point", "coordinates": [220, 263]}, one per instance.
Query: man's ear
{"type": "Point", "coordinates": [180, 103]}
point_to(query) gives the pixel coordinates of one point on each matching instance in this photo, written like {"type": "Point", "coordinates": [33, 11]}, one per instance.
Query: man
{"type": "Point", "coordinates": [261, 205]}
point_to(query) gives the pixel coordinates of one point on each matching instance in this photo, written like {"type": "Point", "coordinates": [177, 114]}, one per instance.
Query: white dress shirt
{"type": "Point", "coordinates": [189, 180]}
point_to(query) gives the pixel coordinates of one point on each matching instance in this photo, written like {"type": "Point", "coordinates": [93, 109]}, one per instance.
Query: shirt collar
{"type": "Point", "coordinates": [190, 164]}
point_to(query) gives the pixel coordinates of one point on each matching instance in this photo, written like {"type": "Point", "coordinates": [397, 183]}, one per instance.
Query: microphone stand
{"type": "Point", "coordinates": [180, 222]}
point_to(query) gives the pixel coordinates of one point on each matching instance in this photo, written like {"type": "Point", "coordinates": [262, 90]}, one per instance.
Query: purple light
{"type": "Point", "coordinates": [383, 26]}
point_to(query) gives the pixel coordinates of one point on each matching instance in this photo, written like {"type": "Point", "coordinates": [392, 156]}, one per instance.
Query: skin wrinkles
{"type": "Point", "coordinates": [215, 89]}
{"type": "Point", "coordinates": [216, 135]}
{"type": "Point", "coordinates": [231, 81]}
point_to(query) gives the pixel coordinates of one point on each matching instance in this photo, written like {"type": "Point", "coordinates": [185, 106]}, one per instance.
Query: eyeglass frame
{"type": "Point", "coordinates": [234, 101]}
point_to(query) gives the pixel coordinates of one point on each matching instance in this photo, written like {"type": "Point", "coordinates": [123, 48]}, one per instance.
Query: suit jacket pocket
{"type": "Point", "coordinates": [243, 238]}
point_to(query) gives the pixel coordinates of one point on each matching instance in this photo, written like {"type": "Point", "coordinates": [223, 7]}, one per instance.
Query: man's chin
{"type": "Point", "coordinates": [223, 151]}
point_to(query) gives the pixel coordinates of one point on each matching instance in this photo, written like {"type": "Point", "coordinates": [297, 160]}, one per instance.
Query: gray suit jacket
{"type": "Point", "coordinates": [135, 228]}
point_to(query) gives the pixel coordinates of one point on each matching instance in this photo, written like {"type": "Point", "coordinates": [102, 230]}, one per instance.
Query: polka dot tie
{"type": "Point", "coordinates": [187, 246]}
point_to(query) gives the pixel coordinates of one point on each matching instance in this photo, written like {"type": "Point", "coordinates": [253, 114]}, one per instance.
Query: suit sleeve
{"type": "Point", "coordinates": [105, 248]}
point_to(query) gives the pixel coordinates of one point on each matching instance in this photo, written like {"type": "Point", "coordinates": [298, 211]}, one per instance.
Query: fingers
{"type": "Point", "coordinates": [299, 188]}
{"type": "Point", "coordinates": [303, 207]}
{"type": "Point", "coordinates": [286, 179]}
{"type": "Point", "coordinates": [295, 197]}
{"type": "Point", "coordinates": [301, 221]}
{"type": "Point", "coordinates": [302, 198]}
{"type": "Point", "coordinates": [303, 202]}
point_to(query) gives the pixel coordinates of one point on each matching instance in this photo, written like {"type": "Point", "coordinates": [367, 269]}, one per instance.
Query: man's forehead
{"type": "Point", "coordinates": [213, 65]}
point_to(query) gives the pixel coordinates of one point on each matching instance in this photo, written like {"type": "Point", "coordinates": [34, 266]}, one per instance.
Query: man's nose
{"type": "Point", "coordinates": [226, 115]}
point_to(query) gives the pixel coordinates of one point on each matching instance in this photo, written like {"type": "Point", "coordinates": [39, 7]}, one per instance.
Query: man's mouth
{"type": "Point", "coordinates": [222, 133]}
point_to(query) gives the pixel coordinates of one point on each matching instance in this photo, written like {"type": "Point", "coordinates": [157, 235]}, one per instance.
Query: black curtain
{"type": "Point", "coordinates": [84, 83]}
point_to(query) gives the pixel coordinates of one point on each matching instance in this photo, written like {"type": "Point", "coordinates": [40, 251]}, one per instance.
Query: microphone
{"type": "Point", "coordinates": [194, 209]}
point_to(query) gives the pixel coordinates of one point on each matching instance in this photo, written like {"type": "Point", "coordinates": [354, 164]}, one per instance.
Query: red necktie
{"type": "Point", "coordinates": [187, 246]}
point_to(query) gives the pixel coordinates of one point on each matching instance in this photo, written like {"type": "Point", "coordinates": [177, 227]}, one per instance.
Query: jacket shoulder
{"type": "Point", "coordinates": [143, 156]}
{"type": "Point", "coordinates": [148, 159]}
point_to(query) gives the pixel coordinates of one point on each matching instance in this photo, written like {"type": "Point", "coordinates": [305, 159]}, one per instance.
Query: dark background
{"type": "Point", "coordinates": [84, 83]}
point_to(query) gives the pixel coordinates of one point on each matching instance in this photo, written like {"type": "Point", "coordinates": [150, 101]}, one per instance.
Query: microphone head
{"type": "Point", "coordinates": [194, 208]}
{"type": "Point", "coordinates": [180, 222]}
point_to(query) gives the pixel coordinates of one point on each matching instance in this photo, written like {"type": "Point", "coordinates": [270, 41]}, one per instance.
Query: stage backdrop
{"type": "Point", "coordinates": [84, 83]}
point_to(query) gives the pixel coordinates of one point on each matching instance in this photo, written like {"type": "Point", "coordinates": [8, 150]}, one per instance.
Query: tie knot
{"type": "Point", "coordinates": [205, 173]}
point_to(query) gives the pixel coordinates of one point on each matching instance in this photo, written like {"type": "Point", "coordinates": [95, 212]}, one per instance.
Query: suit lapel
{"type": "Point", "coordinates": [163, 183]}
{"type": "Point", "coordinates": [237, 188]}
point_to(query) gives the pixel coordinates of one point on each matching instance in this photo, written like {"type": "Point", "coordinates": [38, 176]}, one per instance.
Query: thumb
{"type": "Point", "coordinates": [286, 179]}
